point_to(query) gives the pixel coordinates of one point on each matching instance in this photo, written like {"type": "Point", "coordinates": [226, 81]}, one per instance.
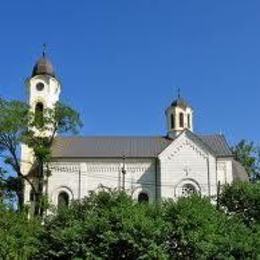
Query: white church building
{"type": "Point", "coordinates": [149, 168]}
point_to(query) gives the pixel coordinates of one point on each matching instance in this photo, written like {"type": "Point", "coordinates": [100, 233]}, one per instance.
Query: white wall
{"type": "Point", "coordinates": [185, 161]}
{"type": "Point", "coordinates": [83, 176]}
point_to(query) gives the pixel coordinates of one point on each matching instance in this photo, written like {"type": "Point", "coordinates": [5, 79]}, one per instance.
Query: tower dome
{"type": "Point", "coordinates": [43, 67]}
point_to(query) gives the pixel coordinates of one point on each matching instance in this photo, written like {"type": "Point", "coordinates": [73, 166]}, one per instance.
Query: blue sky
{"type": "Point", "coordinates": [121, 62]}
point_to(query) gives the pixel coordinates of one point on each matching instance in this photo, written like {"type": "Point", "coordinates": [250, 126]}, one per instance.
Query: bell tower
{"type": "Point", "coordinates": [43, 90]}
{"type": "Point", "coordinates": [43, 87]}
{"type": "Point", "coordinates": [179, 116]}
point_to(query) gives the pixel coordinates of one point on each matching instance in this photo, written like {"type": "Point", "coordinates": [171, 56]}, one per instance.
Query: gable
{"type": "Point", "coordinates": [183, 141]}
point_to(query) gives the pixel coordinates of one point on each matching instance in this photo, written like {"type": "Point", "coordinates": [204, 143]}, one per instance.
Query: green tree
{"type": "Point", "coordinates": [198, 231]}
{"type": "Point", "coordinates": [249, 156]}
{"type": "Point", "coordinates": [110, 225]}
{"type": "Point", "coordinates": [243, 200]}
{"type": "Point", "coordinates": [42, 130]}
{"type": "Point", "coordinates": [18, 124]}
{"type": "Point", "coordinates": [18, 234]}
{"type": "Point", "coordinates": [14, 119]}
{"type": "Point", "coordinates": [107, 225]}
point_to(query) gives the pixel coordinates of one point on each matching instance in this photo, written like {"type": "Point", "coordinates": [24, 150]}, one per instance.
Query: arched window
{"type": "Point", "coordinates": [188, 189]}
{"type": "Point", "coordinates": [63, 200]}
{"type": "Point", "coordinates": [143, 197]}
{"type": "Point", "coordinates": [181, 120]}
{"type": "Point", "coordinates": [172, 122]}
{"type": "Point", "coordinates": [188, 120]}
{"type": "Point", "coordinates": [31, 195]}
{"type": "Point", "coordinates": [39, 114]}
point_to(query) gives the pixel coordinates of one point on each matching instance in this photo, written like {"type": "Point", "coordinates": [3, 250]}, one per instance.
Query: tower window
{"type": "Point", "coordinates": [39, 114]}
{"type": "Point", "coordinates": [181, 120]}
{"type": "Point", "coordinates": [143, 197]}
{"type": "Point", "coordinates": [63, 200]}
{"type": "Point", "coordinates": [172, 121]}
{"type": "Point", "coordinates": [188, 120]}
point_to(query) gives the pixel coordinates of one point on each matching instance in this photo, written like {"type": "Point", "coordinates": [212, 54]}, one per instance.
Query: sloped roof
{"type": "Point", "coordinates": [239, 172]}
{"type": "Point", "coordinates": [217, 143]}
{"type": "Point", "coordinates": [129, 146]}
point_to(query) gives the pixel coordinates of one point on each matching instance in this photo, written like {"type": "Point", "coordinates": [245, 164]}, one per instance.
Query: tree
{"type": "Point", "coordinates": [18, 234]}
{"type": "Point", "coordinates": [107, 225]}
{"type": "Point", "coordinates": [42, 130]}
{"type": "Point", "coordinates": [111, 225]}
{"type": "Point", "coordinates": [14, 119]}
{"type": "Point", "coordinates": [18, 124]}
{"type": "Point", "coordinates": [242, 199]}
{"type": "Point", "coordinates": [249, 156]}
{"type": "Point", "coordinates": [198, 231]}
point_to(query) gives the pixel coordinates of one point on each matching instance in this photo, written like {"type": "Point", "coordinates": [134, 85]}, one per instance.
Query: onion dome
{"type": "Point", "coordinates": [180, 102]}
{"type": "Point", "coordinates": [43, 67]}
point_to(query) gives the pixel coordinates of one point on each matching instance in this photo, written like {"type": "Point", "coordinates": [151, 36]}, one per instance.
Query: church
{"type": "Point", "coordinates": [149, 168]}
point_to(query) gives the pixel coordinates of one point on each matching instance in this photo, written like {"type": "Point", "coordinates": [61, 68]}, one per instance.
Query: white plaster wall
{"type": "Point", "coordinates": [224, 170]}
{"type": "Point", "coordinates": [94, 173]}
{"type": "Point", "coordinates": [186, 162]}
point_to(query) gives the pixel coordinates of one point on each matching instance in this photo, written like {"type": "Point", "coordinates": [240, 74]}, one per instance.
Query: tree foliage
{"type": "Point", "coordinates": [18, 234]}
{"type": "Point", "coordinates": [111, 225]}
{"type": "Point", "coordinates": [242, 199]}
{"type": "Point", "coordinates": [37, 129]}
{"type": "Point", "coordinates": [249, 156]}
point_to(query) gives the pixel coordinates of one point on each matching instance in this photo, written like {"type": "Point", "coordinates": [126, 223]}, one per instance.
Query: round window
{"type": "Point", "coordinates": [188, 189]}
{"type": "Point", "coordinates": [40, 86]}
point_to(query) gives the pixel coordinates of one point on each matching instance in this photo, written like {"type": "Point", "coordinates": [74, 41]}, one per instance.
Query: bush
{"type": "Point", "coordinates": [198, 230]}
{"type": "Point", "coordinates": [18, 234]}
{"type": "Point", "coordinates": [110, 225]}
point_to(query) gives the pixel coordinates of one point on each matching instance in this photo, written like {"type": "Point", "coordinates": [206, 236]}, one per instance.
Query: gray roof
{"type": "Point", "coordinates": [239, 172]}
{"type": "Point", "coordinates": [217, 144]}
{"type": "Point", "coordinates": [129, 146]}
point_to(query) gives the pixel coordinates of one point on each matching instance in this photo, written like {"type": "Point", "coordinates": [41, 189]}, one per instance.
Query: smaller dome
{"type": "Point", "coordinates": [180, 102]}
{"type": "Point", "coordinates": [43, 67]}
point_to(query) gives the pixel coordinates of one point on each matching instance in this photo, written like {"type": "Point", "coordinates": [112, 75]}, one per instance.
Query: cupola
{"type": "Point", "coordinates": [179, 116]}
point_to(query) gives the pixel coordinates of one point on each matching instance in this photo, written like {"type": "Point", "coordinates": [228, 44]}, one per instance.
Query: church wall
{"type": "Point", "coordinates": [79, 177]}
{"type": "Point", "coordinates": [224, 170]}
{"type": "Point", "coordinates": [184, 162]}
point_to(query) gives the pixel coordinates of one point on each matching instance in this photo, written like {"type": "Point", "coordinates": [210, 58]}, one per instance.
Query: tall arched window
{"type": "Point", "coordinates": [31, 195]}
{"type": "Point", "coordinates": [143, 197]}
{"type": "Point", "coordinates": [172, 122]}
{"type": "Point", "coordinates": [63, 200]}
{"type": "Point", "coordinates": [181, 120]}
{"type": "Point", "coordinates": [188, 120]}
{"type": "Point", "coordinates": [39, 114]}
{"type": "Point", "coordinates": [188, 189]}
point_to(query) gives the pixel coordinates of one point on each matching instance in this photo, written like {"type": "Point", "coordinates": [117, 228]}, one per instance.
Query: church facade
{"type": "Point", "coordinates": [149, 168]}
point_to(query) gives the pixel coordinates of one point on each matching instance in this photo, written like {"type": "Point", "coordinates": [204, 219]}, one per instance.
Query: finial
{"type": "Point", "coordinates": [179, 93]}
{"type": "Point", "coordinates": [44, 48]}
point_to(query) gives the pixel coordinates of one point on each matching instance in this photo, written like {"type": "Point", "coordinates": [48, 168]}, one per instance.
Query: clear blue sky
{"type": "Point", "coordinates": [121, 62]}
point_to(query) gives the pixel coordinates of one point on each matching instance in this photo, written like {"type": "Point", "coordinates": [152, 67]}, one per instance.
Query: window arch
{"type": "Point", "coordinates": [188, 189]}
{"type": "Point", "coordinates": [143, 197]}
{"type": "Point", "coordinates": [39, 114]}
{"type": "Point", "coordinates": [31, 196]}
{"type": "Point", "coordinates": [181, 119]}
{"type": "Point", "coordinates": [63, 199]}
{"type": "Point", "coordinates": [172, 121]}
